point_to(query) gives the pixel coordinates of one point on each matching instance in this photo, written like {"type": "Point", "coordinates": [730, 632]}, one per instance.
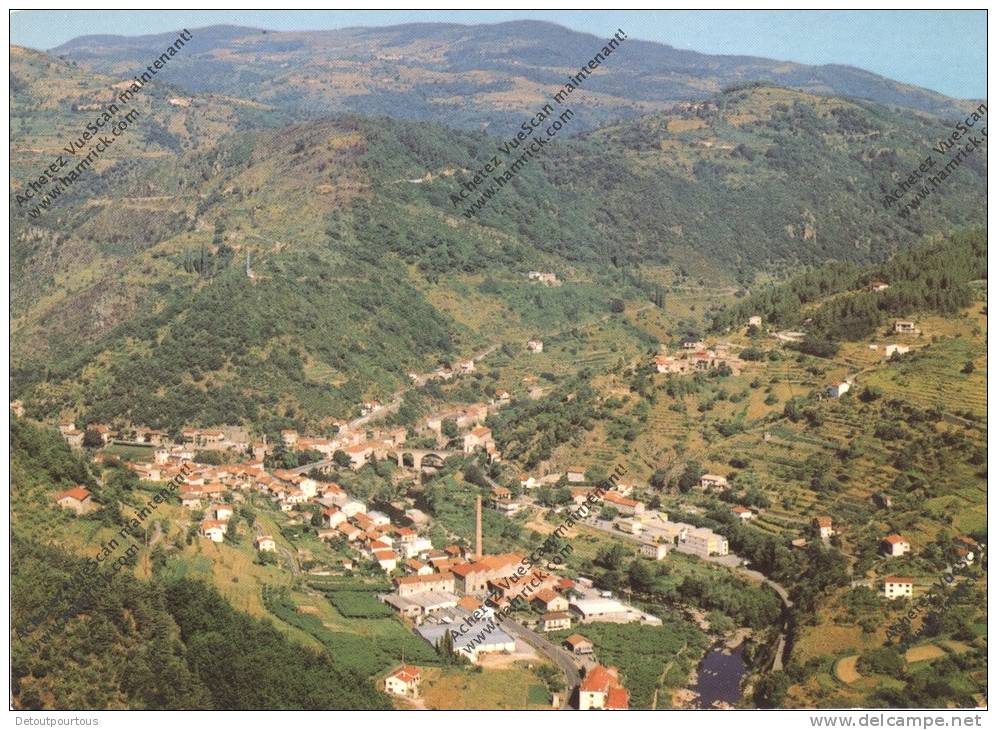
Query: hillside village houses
{"type": "Point", "coordinates": [698, 360]}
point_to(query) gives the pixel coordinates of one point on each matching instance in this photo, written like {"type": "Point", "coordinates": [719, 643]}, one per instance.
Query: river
{"type": "Point", "coordinates": [718, 679]}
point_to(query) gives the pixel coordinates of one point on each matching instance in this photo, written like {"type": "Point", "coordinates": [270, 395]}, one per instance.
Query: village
{"type": "Point", "coordinates": [438, 587]}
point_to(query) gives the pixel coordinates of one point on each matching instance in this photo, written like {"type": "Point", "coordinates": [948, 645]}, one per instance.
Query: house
{"type": "Point", "coordinates": [333, 517]}
{"type": "Point", "coordinates": [549, 601]}
{"type": "Point", "coordinates": [606, 610]}
{"type": "Point", "coordinates": [350, 532]}
{"type": "Point", "coordinates": [265, 544]}
{"type": "Point", "coordinates": [601, 689]}
{"type": "Point", "coordinates": [213, 529]}
{"type": "Point", "coordinates": [669, 364]}
{"type": "Point", "coordinates": [507, 506]}
{"type": "Point", "coordinates": [755, 321]}
{"type": "Point", "coordinates": [891, 350]}
{"type": "Point", "coordinates": [535, 346]}
{"type": "Point", "coordinates": [17, 407]}
{"type": "Point", "coordinates": [896, 586]}
{"type": "Point", "coordinates": [353, 507]}
{"type": "Point", "coordinates": [404, 681]}
{"type": "Point", "coordinates": [712, 480]}
{"type": "Point", "coordinates": [386, 559]}
{"type": "Point", "coordinates": [502, 396]}
{"type": "Point", "coordinates": [878, 286]}
{"type": "Point", "coordinates": [417, 567]}
{"type": "Point", "coordinates": [742, 513]}
{"type": "Point", "coordinates": [78, 499]}
{"type": "Point", "coordinates": [576, 474]}
{"type": "Point", "coordinates": [190, 501]}
{"type": "Point", "coordinates": [478, 437]}
{"type": "Point", "coordinates": [556, 621]}
{"type": "Point", "coordinates": [692, 343]}
{"type": "Point", "coordinates": [654, 550]}
{"type": "Point", "coordinates": [836, 390]}
{"type": "Point", "coordinates": [578, 644]}
{"type": "Point", "coordinates": [823, 526]}
{"type": "Point", "coordinates": [904, 327]}
{"type": "Point", "coordinates": [223, 512]}
{"type": "Point", "coordinates": [624, 505]}
{"type": "Point", "coordinates": [894, 546]}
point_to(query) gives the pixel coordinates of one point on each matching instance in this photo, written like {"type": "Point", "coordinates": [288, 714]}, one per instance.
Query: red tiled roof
{"type": "Point", "coordinates": [894, 539]}
{"type": "Point", "coordinates": [898, 579]}
{"type": "Point", "coordinates": [599, 679]}
{"type": "Point", "coordinates": [617, 699]}
{"type": "Point", "coordinates": [77, 493]}
{"type": "Point", "coordinates": [406, 673]}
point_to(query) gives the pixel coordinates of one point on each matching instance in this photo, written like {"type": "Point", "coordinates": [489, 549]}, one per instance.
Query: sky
{"type": "Point", "coordinates": [941, 50]}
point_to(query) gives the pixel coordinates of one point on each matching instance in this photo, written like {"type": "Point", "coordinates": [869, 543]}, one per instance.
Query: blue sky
{"type": "Point", "coordinates": [941, 50]}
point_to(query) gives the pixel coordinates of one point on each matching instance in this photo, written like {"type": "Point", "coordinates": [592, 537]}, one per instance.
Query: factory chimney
{"type": "Point", "coordinates": [477, 527]}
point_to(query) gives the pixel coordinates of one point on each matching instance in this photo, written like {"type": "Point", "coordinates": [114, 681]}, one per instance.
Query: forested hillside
{"type": "Point", "coordinates": [933, 279]}
{"type": "Point", "coordinates": [253, 275]}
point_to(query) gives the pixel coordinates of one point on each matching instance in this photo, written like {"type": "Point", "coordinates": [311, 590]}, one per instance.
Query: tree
{"type": "Point", "coordinates": [92, 439]}
{"type": "Point", "coordinates": [340, 458]}
{"type": "Point", "coordinates": [640, 576]}
{"type": "Point", "coordinates": [690, 476]}
{"type": "Point", "coordinates": [449, 428]}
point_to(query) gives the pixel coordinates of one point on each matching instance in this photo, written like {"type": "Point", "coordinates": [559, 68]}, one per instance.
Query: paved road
{"type": "Point", "coordinates": [552, 651]}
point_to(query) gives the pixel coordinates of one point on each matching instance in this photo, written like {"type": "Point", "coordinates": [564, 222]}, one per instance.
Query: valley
{"type": "Point", "coordinates": [681, 417]}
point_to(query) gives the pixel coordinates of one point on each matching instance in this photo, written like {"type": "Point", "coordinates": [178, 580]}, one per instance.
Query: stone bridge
{"type": "Point", "coordinates": [415, 459]}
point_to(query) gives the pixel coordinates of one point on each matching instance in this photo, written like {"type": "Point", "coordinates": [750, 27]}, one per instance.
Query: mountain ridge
{"type": "Point", "coordinates": [470, 75]}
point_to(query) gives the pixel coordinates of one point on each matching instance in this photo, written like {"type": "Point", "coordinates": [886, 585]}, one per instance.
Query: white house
{"type": "Point", "coordinates": [755, 321]}
{"type": "Point", "coordinates": [891, 350]}
{"type": "Point", "coordinates": [896, 586]}
{"type": "Point", "coordinates": [895, 545]}
{"type": "Point", "coordinates": [743, 513]}
{"type": "Point", "coordinates": [404, 681]}
{"type": "Point", "coordinates": [712, 480]}
{"type": "Point", "coordinates": [836, 390]}
{"type": "Point", "coordinates": [535, 346]}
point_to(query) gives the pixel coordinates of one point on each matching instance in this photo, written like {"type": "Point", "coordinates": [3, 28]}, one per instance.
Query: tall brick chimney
{"type": "Point", "coordinates": [477, 527]}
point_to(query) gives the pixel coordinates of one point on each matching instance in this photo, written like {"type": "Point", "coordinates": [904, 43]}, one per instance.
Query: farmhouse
{"type": "Point", "coordinates": [265, 544]}
{"type": "Point", "coordinates": [742, 513]}
{"type": "Point", "coordinates": [904, 327]}
{"type": "Point", "coordinates": [823, 526]}
{"type": "Point", "coordinates": [78, 499]}
{"type": "Point", "coordinates": [712, 480]}
{"type": "Point", "coordinates": [896, 586]}
{"type": "Point", "coordinates": [894, 546]}
{"type": "Point", "coordinates": [836, 390]}
{"type": "Point", "coordinates": [404, 681]}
